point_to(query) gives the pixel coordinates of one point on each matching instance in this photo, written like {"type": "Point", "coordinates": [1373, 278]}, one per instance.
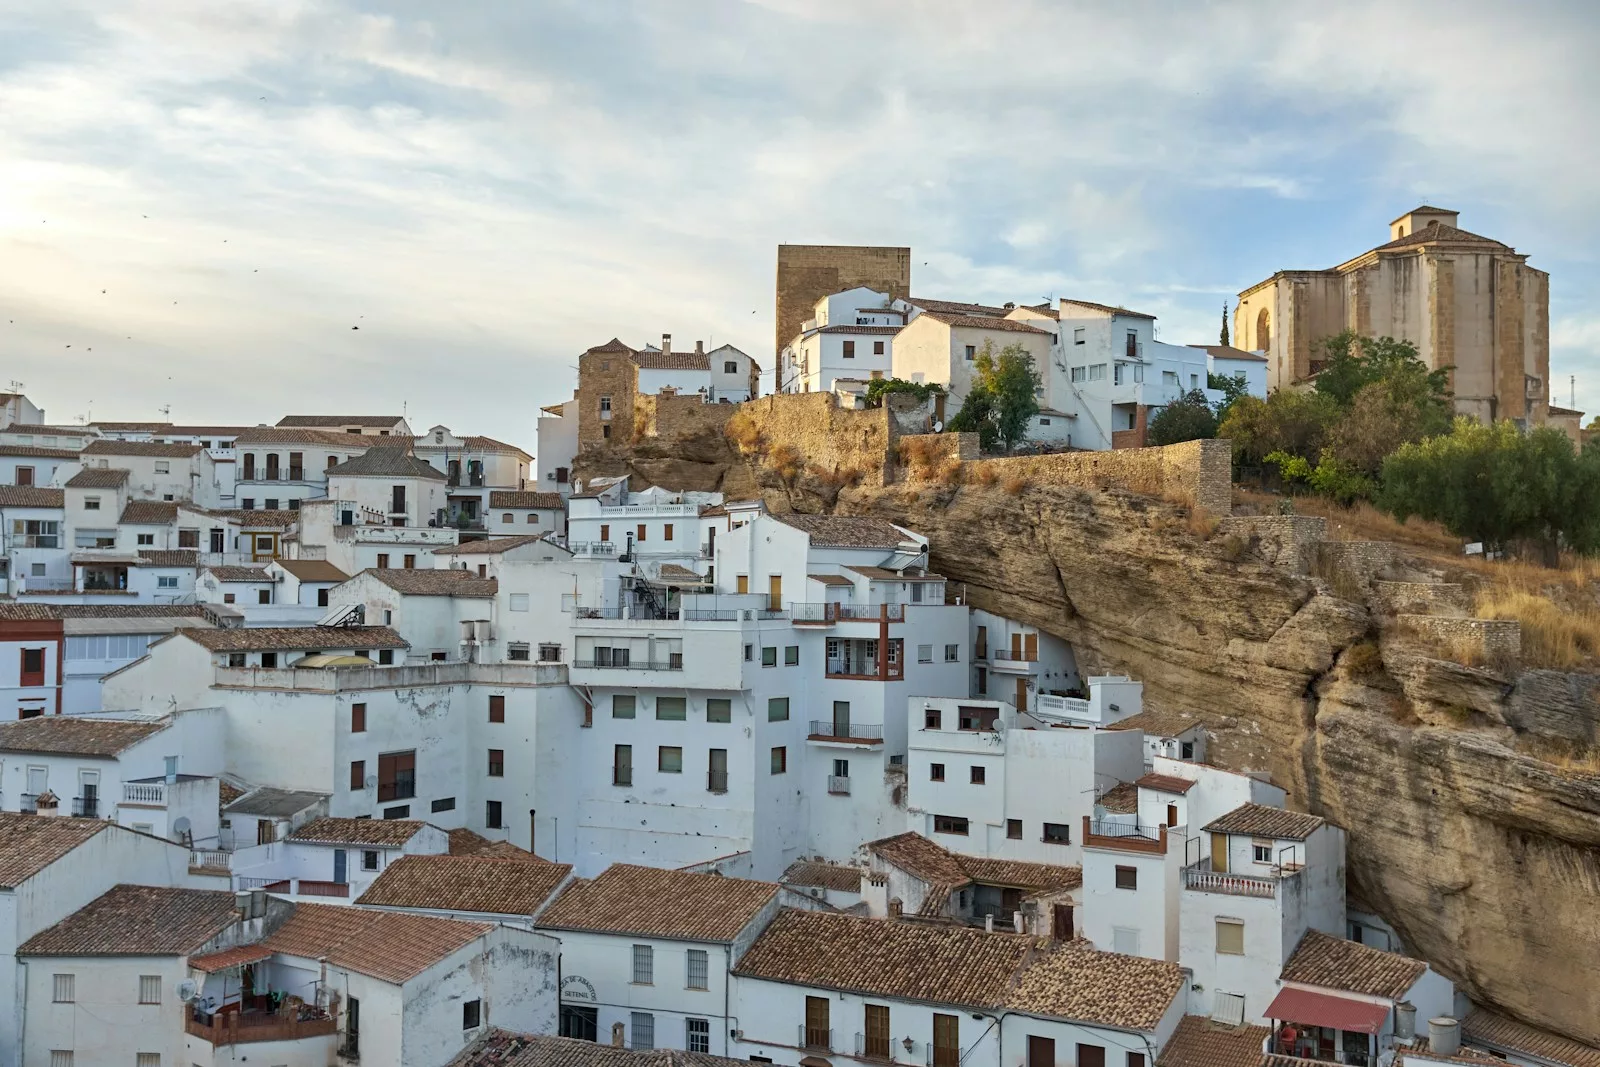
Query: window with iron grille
{"type": "Point", "coordinates": [644, 965]}
{"type": "Point", "coordinates": [149, 989]}
{"type": "Point", "coordinates": [699, 972]}
{"type": "Point", "coordinates": [148, 1059]}
{"type": "Point", "coordinates": [642, 1032]}
{"type": "Point", "coordinates": [60, 1057]}
{"type": "Point", "coordinates": [63, 989]}
{"type": "Point", "coordinates": [697, 1035]}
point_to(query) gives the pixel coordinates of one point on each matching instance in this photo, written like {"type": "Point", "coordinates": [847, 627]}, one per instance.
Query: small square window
{"type": "Point", "coordinates": [952, 653]}
{"type": "Point", "coordinates": [1014, 829]}
{"type": "Point", "coordinates": [497, 763]}
{"type": "Point", "coordinates": [976, 775]}
{"type": "Point", "coordinates": [924, 653]}
{"type": "Point", "coordinates": [669, 759]}
{"type": "Point", "coordinates": [936, 772]}
{"type": "Point", "coordinates": [1057, 833]}
{"type": "Point", "coordinates": [1230, 937]}
{"type": "Point", "coordinates": [471, 1014]}
{"type": "Point", "coordinates": [63, 989]}
{"type": "Point", "coordinates": [1127, 878]}
{"type": "Point", "coordinates": [147, 539]}
{"type": "Point", "coordinates": [1261, 852]}
{"type": "Point", "coordinates": [719, 709]}
{"type": "Point", "coordinates": [644, 965]}
{"type": "Point", "coordinates": [780, 760]}
{"type": "Point", "coordinates": [369, 859]}
{"type": "Point", "coordinates": [623, 705]}
{"type": "Point", "coordinates": [932, 719]}
{"type": "Point", "coordinates": [777, 709]}
{"type": "Point", "coordinates": [769, 656]}
{"type": "Point", "coordinates": [149, 989]}
{"type": "Point", "coordinates": [672, 709]}
{"type": "Point", "coordinates": [791, 655]}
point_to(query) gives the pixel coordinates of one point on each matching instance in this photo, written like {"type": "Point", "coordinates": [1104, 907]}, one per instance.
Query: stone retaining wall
{"type": "Point", "coordinates": [1421, 598]}
{"type": "Point", "coordinates": [1492, 638]}
{"type": "Point", "coordinates": [1283, 540]}
{"type": "Point", "coordinates": [1198, 472]}
{"type": "Point", "coordinates": [1357, 561]}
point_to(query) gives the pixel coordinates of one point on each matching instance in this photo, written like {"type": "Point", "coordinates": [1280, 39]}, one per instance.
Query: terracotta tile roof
{"type": "Point", "coordinates": [1078, 982]}
{"type": "Point", "coordinates": [945, 870]}
{"type": "Point", "coordinates": [1228, 352]}
{"type": "Point", "coordinates": [502, 1048]}
{"type": "Point", "coordinates": [1440, 234]}
{"type": "Point", "coordinates": [35, 452]}
{"type": "Point", "coordinates": [1158, 723]}
{"type": "Point", "coordinates": [672, 572]}
{"type": "Point", "coordinates": [826, 875]}
{"type": "Point", "coordinates": [382, 462]}
{"type": "Point", "coordinates": [982, 322]}
{"type": "Point", "coordinates": [1334, 963]}
{"type": "Point", "coordinates": [845, 531]}
{"type": "Point", "coordinates": [955, 307]}
{"type": "Point", "coordinates": [625, 899]}
{"type": "Point", "coordinates": [1198, 1042]}
{"type": "Point", "coordinates": [648, 360]}
{"type": "Point", "coordinates": [281, 435]}
{"type": "Point", "coordinates": [1469, 1056]}
{"type": "Point", "coordinates": [387, 945]}
{"type": "Point", "coordinates": [227, 792]}
{"type": "Point", "coordinates": [435, 582]}
{"type": "Point", "coordinates": [294, 638]}
{"type": "Point", "coordinates": [98, 478]}
{"type": "Point", "coordinates": [47, 428]}
{"type": "Point", "coordinates": [512, 498]}
{"type": "Point", "coordinates": [488, 547]}
{"type": "Point", "coordinates": [1121, 799]}
{"type": "Point", "coordinates": [1500, 1032]}
{"type": "Point", "coordinates": [31, 496]}
{"type": "Point", "coordinates": [922, 858]}
{"type": "Point", "coordinates": [464, 842]}
{"type": "Point", "coordinates": [869, 330]}
{"type": "Point", "coordinates": [1017, 874]}
{"type": "Point", "coordinates": [1552, 409]}
{"type": "Point", "coordinates": [377, 422]}
{"type": "Point", "coordinates": [884, 574]}
{"type": "Point", "coordinates": [1041, 309]}
{"type": "Point", "coordinates": [1258, 820]}
{"type": "Point", "coordinates": [470, 443]}
{"type": "Point", "coordinates": [612, 346]}
{"type": "Point", "coordinates": [101, 611]}
{"type": "Point", "coordinates": [1109, 308]}
{"type": "Point", "coordinates": [467, 883]}
{"type": "Point", "coordinates": [106, 447]}
{"type": "Point", "coordinates": [258, 518]}
{"type": "Point", "coordinates": [876, 957]}
{"type": "Point", "coordinates": [230, 957]}
{"type": "Point", "coordinates": [168, 557]}
{"type": "Point", "coordinates": [29, 844]}
{"type": "Point", "coordinates": [313, 570]}
{"type": "Point", "coordinates": [384, 833]}
{"type": "Point", "coordinates": [137, 920]}
{"type": "Point", "coordinates": [831, 579]}
{"type": "Point", "coordinates": [239, 574]}
{"type": "Point", "coordinates": [149, 512]}
{"type": "Point", "coordinates": [1165, 783]}
{"type": "Point", "coordinates": [116, 427]}
{"type": "Point", "coordinates": [200, 431]}
{"type": "Point", "coordinates": [75, 735]}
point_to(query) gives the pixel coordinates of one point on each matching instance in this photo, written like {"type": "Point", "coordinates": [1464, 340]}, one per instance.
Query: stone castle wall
{"type": "Point", "coordinates": [1492, 638]}
{"type": "Point", "coordinates": [1283, 540]}
{"type": "Point", "coordinates": [1199, 472]}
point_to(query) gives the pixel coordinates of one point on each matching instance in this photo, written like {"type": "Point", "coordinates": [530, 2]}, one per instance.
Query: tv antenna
{"type": "Point", "coordinates": [16, 386]}
{"type": "Point", "coordinates": [166, 412]}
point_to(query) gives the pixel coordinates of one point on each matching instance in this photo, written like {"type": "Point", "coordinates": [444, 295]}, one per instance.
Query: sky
{"type": "Point", "coordinates": [223, 212]}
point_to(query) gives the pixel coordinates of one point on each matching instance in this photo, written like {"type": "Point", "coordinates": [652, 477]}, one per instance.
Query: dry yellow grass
{"type": "Point", "coordinates": [742, 430]}
{"type": "Point", "coordinates": [986, 474]}
{"type": "Point", "coordinates": [951, 473]}
{"type": "Point", "coordinates": [1362, 522]}
{"type": "Point", "coordinates": [1200, 522]}
{"type": "Point", "coordinates": [1569, 757]}
{"type": "Point", "coordinates": [787, 462]}
{"type": "Point", "coordinates": [1015, 484]}
{"type": "Point", "coordinates": [1552, 636]}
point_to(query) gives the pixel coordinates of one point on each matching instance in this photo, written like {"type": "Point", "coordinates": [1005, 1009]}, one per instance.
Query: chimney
{"type": "Point", "coordinates": [988, 924]}
{"type": "Point", "coordinates": [895, 908]}
{"type": "Point", "coordinates": [46, 804]}
{"type": "Point", "coordinates": [1405, 1020]}
{"type": "Point", "coordinates": [616, 1035]}
{"type": "Point", "coordinates": [1444, 1036]}
{"type": "Point", "coordinates": [666, 343]}
{"type": "Point", "coordinates": [699, 348]}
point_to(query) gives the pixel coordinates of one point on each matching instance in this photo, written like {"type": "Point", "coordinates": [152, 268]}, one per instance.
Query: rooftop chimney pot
{"type": "Point", "coordinates": [666, 343]}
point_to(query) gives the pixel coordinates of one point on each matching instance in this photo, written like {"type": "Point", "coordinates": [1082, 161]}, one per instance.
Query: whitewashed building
{"type": "Point", "coordinates": [506, 886]}
{"type": "Point", "coordinates": [34, 466]}
{"type": "Point", "coordinates": [849, 338]}
{"type": "Point", "coordinates": [37, 553]}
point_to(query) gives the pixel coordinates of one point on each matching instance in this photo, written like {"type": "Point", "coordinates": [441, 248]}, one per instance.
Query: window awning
{"type": "Point", "coordinates": [1327, 1009]}
{"type": "Point", "coordinates": [237, 956]}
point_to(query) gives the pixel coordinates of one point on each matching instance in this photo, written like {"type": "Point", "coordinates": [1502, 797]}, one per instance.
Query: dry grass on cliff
{"type": "Point", "coordinates": [1560, 637]}
{"type": "Point", "coordinates": [742, 430]}
{"type": "Point", "coordinates": [1362, 522]}
{"type": "Point", "coordinates": [1568, 757]}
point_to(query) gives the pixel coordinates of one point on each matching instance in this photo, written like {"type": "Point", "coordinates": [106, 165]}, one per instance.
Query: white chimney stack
{"type": "Point", "coordinates": [666, 343]}
{"type": "Point", "coordinates": [1444, 1036]}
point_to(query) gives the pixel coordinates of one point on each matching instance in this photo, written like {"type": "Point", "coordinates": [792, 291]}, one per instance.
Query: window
{"type": "Point", "coordinates": [497, 707]}
{"type": "Point", "coordinates": [385, 655]}
{"type": "Point", "coordinates": [227, 598]}
{"type": "Point", "coordinates": [644, 965]}
{"type": "Point", "coordinates": [605, 531]}
{"type": "Point", "coordinates": [519, 602]}
{"type": "Point", "coordinates": [719, 709]}
{"type": "Point", "coordinates": [976, 775]}
{"type": "Point", "coordinates": [447, 804]}
{"type": "Point", "coordinates": [1135, 1059]}
{"type": "Point", "coordinates": [972, 352]}
{"type": "Point", "coordinates": [697, 1034]}
{"type": "Point", "coordinates": [383, 561]}
{"type": "Point", "coordinates": [63, 989]}
{"type": "Point", "coordinates": [935, 772]}
{"type": "Point", "coordinates": [263, 596]}
{"type": "Point", "coordinates": [397, 775]}
{"type": "Point", "coordinates": [91, 503]}
{"type": "Point", "coordinates": [1091, 1056]}
{"type": "Point", "coordinates": [471, 1014]}
{"type": "Point", "coordinates": [642, 1031]}
{"type": "Point", "coordinates": [166, 581]}
{"type": "Point", "coordinates": [877, 1027]}
{"type": "Point", "coordinates": [741, 583]}
{"type": "Point", "coordinates": [248, 503]}
{"type": "Point", "coordinates": [369, 859]}
{"type": "Point", "coordinates": [147, 539]}
{"type": "Point", "coordinates": [924, 653]}
{"type": "Point", "coordinates": [149, 989]}
{"type": "Point", "coordinates": [947, 1040]}
{"type": "Point", "coordinates": [622, 765]}
{"type": "Point", "coordinates": [952, 653]}
{"type": "Point", "coordinates": [1230, 937]}
{"type": "Point", "coordinates": [401, 811]}
{"type": "Point", "coordinates": [1262, 851]}
{"type": "Point", "coordinates": [698, 970]}
{"type": "Point", "coordinates": [1097, 372]}
{"type": "Point", "coordinates": [60, 1057]}
{"type": "Point", "coordinates": [269, 659]}
{"type": "Point", "coordinates": [749, 653]}
{"type": "Point", "coordinates": [236, 659]}
{"type": "Point", "coordinates": [978, 718]}
{"type": "Point", "coordinates": [1057, 833]}
{"type": "Point", "coordinates": [769, 656]}
{"type": "Point", "coordinates": [949, 824]}
{"type": "Point", "coordinates": [622, 705]}
{"type": "Point", "coordinates": [1077, 336]}
{"type": "Point", "coordinates": [666, 531]}
{"type": "Point", "coordinates": [777, 709]}
{"type": "Point", "coordinates": [163, 466]}
{"type": "Point", "coordinates": [780, 760]}
{"type": "Point", "coordinates": [491, 815]}
{"type": "Point", "coordinates": [730, 366]}
{"type": "Point", "coordinates": [841, 768]}
{"type": "Point", "coordinates": [1078, 372]}
{"type": "Point", "coordinates": [1014, 829]}
{"type": "Point", "coordinates": [358, 774]}
{"type": "Point", "coordinates": [1127, 877]}
{"type": "Point", "coordinates": [147, 1059]}
{"type": "Point", "coordinates": [1169, 379]}
{"type": "Point", "coordinates": [271, 504]}
{"type": "Point", "coordinates": [672, 709]}
{"type": "Point", "coordinates": [358, 718]}
{"type": "Point", "coordinates": [506, 517]}
{"type": "Point", "coordinates": [532, 520]}
{"type": "Point", "coordinates": [1229, 1007]}
{"type": "Point", "coordinates": [669, 759]}
{"type": "Point", "coordinates": [497, 763]}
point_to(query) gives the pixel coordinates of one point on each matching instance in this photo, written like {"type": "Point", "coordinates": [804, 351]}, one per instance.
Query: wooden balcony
{"type": "Point", "coordinates": [237, 1028]}
{"type": "Point", "coordinates": [1126, 836]}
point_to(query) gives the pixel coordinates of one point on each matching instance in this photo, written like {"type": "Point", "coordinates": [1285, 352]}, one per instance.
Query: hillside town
{"type": "Point", "coordinates": [352, 740]}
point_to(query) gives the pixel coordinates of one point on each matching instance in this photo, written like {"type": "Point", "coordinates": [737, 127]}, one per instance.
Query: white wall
{"type": "Point", "coordinates": [557, 447]}
{"type": "Point", "coordinates": [106, 1024]}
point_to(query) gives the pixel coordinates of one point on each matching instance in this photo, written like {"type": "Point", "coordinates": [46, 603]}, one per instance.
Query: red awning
{"type": "Point", "coordinates": [230, 957]}
{"type": "Point", "coordinates": [1327, 1009]}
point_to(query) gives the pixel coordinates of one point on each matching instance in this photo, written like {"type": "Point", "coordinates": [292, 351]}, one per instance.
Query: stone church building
{"type": "Point", "coordinates": [1466, 301]}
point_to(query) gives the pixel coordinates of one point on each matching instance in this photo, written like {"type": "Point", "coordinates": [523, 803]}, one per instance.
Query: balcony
{"type": "Point", "coordinates": [609, 663]}
{"type": "Point", "coordinates": [296, 887]}
{"type": "Point", "coordinates": [945, 1055]}
{"type": "Point", "coordinates": [836, 730]}
{"type": "Point", "coordinates": [1126, 836]}
{"type": "Point", "coordinates": [873, 1047]}
{"type": "Point", "coordinates": [86, 807]}
{"type": "Point", "coordinates": [149, 794]}
{"type": "Point", "coordinates": [839, 785]}
{"type": "Point", "coordinates": [826, 614]}
{"type": "Point", "coordinates": [215, 859]}
{"type": "Point", "coordinates": [241, 1027]}
{"type": "Point", "coordinates": [716, 781]}
{"type": "Point", "coordinates": [815, 1038]}
{"type": "Point", "coordinates": [864, 670]}
{"type": "Point", "coordinates": [1202, 879]}
{"type": "Point", "coordinates": [592, 548]}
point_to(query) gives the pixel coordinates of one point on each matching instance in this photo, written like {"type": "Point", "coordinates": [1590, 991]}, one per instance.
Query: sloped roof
{"type": "Point", "coordinates": [982, 322]}
{"type": "Point", "coordinates": [875, 957]}
{"type": "Point", "coordinates": [1120, 799]}
{"type": "Point", "coordinates": [293, 638]}
{"type": "Point", "coordinates": [258, 518]}
{"type": "Point", "coordinates": [109, 447]}
{"type": "Point", "coordinates": [513, 498]}
{"type": "Point", "coordinates": [271, 802]}
{"type": "Point", "coordinates": [502, 1048]}
{"type": "Point", "coordinates": [239, 574]}
{"type": "Point", "coordinates": [1199, 1042]}
{"type": "Point", "coordinates": [137, 920]}
{"type": "Point", "coordinates": [652, 360]}
{"type": "Point", "coordinates": [168, 557]}
{"type": "Point", "coordinates": [612, 346]}
{"type": "Point", "coordinates": [1229, 352]}
{"type": "Point", "coordinates": [102, 611]}
{"type": "Point", "coordinates": [1158, 723]}
{"type": "Point", "coordinates": [1499, 1031]}
{"type": "Point", "coordinates": [946, 870]}
{"type": "Point", "coordinates": [1334, 963]}
{"type": "Point", "coordinates": [377, 422]}
{"type": "Point", "coordinates": [98, 478]}
{"type": "Point", "coordinates": [470, 443]}
{"type": "Point", "coordinates": [387, 463]}
{"type": "Point", "coordinates": [388, 945]}
{"type": "Point", "coordinates": [1165, 783]}
{"type": "Point", "coordinates": [467, 883]}
{"type": "Point", "coordinates": [649, 902]}
{"type": "Point", "coordinates": [292, 435]}
{"type": "Point", "coordinates": [31, 496]}
{"type": "Point", "coordinates": [383, 833]}
{"type": "Point", "coordinates": [313, 570]}
{"type": "Point", "coordinates": [434, 582]}
{"type": "Point", "coordinates": [75, 735]}
{"type": "Point", "coordinates": [35, 451]}
{"type": "Point", "coordinates": [845, 531]}
{"type": "Point", "coordinates": [464, 842]}
{"type": "Point", "coordinates": [488, 547]}
{"type": "Point", "coordinates": [149, 513]}
{"type": "Point", "coordinates": [29, 844]}
{"type": "Point", "coordinates": [1259, 820]}
{"type": "Point", "coordinates": [1439, 233]}
{"type": "Point", "coordinates": [1109, 309]}
{"type": "Point", "coordinates": [826, 875]}
{"type": "Point", "coordinates": [1078, 982]}
{"type": "Point", "coordinates": [955, 307]}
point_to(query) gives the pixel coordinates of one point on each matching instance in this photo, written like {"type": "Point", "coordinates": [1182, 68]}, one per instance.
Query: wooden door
{"type": "Point", "coordinates": [877, 1045]}
{"type": "Point", "coordinates": [818, 1035]}
{"type": "Point", "coordinates": [1061, 924]}
{"type": "Point", "coordinates": [1219, 853]}
{"type": "Point", "coordinates": [947, 1040]}
{"type": "Point", "coordinates": [24, 475]}
{"type": "Point", "coordinates": [1041, 1051]}
{"type": "Point", "coordinates": [1172, 814]}
{"type": "Point", "coordinates": [1091, 1056]}
{"type": "Point", "coordinates": [266, 832]}
{"type": "Point", "coordinates": [1016, 645]}
{"type": "Point", "coordinates": [1030, 647]}
{"type": "Point", "coordinates": [741, 584]}
{"type": "Point", "coordinates": [1022, 694]}
{"type": "Point", "coordinates": [32, 666]}
{"type": "Point", "coordinates": [775, 592]}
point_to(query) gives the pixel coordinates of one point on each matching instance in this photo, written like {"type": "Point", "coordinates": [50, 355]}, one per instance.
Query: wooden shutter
{"type": "Point", "coordinates": [817, 1031]}
{"type": "Point", "coordinates": [1091, 1056]}
{"type": "Point", "coordinates": [947, 1040]}
{"type": "Point", "coordinates": [877, 1027]}
{"type": "Point", "coordinates": [497, 709]}
{"type": "Point", "coordinates": [1041, 1052]}
{"type": "Point", "coordinates": [1219, 853]}
{"type": "Point", "coordinates": [1030, 648]}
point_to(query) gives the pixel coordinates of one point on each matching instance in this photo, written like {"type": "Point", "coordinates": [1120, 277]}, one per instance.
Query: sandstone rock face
{"type": "Point", "coordinates": [1486, 860]}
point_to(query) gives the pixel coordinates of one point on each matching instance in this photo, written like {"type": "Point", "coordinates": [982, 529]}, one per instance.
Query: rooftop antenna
{"type": "Point", "coordinates": [166, 412]}
{"type": "Point", "coordinates": [1572, 383]}
{"type": "Point", "coordinates": [16, 386]}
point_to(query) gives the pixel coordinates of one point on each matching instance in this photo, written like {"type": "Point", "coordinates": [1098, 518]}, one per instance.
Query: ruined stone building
{"type": "Point", "coordinates": [1466, 301]}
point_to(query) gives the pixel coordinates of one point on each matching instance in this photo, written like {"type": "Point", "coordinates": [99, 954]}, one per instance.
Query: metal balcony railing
{"type": "Point", "coordinates": [673, 663]}
{"type": "Point", "coordinates": [1014, 656]}
{"type": "Point", "coordinates": [873, 1047]}
{"type": "Point", "coordinates": [855, 731]}
{"type": "Point", "coordinates": [716, 781]}
{"type": "Point", "coordinates": [816, 1037]}
{"type": "Point", "coordinates": [86, 807]}
{"type": "Point", "coordinates": [839, 785]}
{"type": "Point", "coordinates": [1110, 828]}
{"type": "Point", "coordinates": [944, 1055]}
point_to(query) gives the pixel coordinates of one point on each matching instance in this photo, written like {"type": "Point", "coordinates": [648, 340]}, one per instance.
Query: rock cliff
{"type": "Point", "coordinates": [1486, 860]}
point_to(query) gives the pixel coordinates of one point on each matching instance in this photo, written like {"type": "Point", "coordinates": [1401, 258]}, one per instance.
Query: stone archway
{"type": "Point", "coordinates": [1263, 331]}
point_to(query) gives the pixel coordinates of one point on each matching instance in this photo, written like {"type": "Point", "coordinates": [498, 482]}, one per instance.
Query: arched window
{"type": "Point", "coordinates": [1263, 331]}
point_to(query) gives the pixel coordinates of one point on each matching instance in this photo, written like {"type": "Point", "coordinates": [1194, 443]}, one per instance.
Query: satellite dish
{"type": "Point", "coordinates": [188, 989]}
{"type": "Point", "coordinates": [938, 426]}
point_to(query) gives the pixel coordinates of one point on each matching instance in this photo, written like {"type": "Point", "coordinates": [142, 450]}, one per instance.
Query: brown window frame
{"type": "Point", "coordinates": [497, 763]}
{"type": "Point", "coordinates": [358, 718]}
{"type": "Point", "coordinates": [497, 708]}
{"type": "Point", "coordinates": [358, 774]}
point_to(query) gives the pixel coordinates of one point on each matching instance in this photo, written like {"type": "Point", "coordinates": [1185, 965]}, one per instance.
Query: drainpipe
{"type": "Point", "coordinates": [727, 982]}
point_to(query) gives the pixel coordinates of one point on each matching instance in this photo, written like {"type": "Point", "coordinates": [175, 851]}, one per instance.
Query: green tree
{"type": "Point", "coordinates": [1351, 362]}
{"type": "Point", "coordinates": [1232, 387]}
{"type": "Point", "coordinates": [1003, 397]}
{"type": "Point", "coordinates": [1287, 421]}
{"type": "Point", "coordinates": [1225, 342]}
{"type": "Point", "coordinates": [1189, 418]}
{"type": "Point", "coordinates": [877, 387]}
